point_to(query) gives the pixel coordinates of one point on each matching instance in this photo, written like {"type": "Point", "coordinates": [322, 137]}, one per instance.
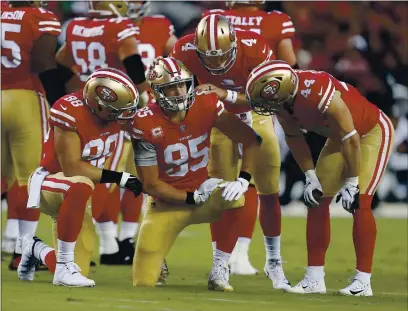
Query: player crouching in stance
{"type": "Point", "coordinates": [85, 127]}
{"type": "Point", "coordinates": [171, 145]}
{"type": "Point", "coordinates": [359, 139]}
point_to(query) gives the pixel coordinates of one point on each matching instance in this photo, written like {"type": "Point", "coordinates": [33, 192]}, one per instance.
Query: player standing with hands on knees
{"type": "Point", "coordinates": [171, 142]}
{"type": "Point", "coordinates": [351, 164]}
{"type": "Point", "coordinates": [85, 128]}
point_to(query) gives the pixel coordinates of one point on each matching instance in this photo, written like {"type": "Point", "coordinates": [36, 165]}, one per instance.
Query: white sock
{"type": "Point", "coordinates": [116, 229]}
{"type": "Point", "coordinates": [65, 251]}
{"type": "Point", "coordinates": [214, 247]}
{"type": "Point", "coordinates": [41, 250]}
{"type": "Point", "coordinates": [242, 245]}
{"type": "Point", "coordinates": [107, 238]}
{"type": "Point", "coordinates": [315, 272]}
{"type": "Point", "coordinates": [221, 256]}
{"type": "Point", "coordinates": [128, 230]}
{"type": "Point", "coordinates": [27, 226]}
{"type": "Point", "coordinates": [272, 247]}
{"type": "Point", "coordinates": [363, 276]}
{"type": "Point", "coordinates": [12, 229]}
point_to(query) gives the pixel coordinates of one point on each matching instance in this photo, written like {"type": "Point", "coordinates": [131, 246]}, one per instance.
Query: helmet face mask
{"type": "Point", "coordinates": [111, 95]}
{"type": "Point", "coordinates": [271, 86]}
{"type": "Point", "coordinates": [172, 84]}
{"type": "Point", "coordinates": [216, 44]}
{"type": "Point", "coordinates": [138, 9]}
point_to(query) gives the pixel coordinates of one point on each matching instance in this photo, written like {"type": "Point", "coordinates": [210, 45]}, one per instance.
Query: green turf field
{"type": "Point", "coordinates": [190, 261]}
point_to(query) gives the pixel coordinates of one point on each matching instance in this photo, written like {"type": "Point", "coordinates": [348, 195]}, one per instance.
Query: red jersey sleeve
{"type": "Point", "coordinates": [283, 25]}
{"type": "Point", "coordinates": [64, 112]}
{"type": "Point", "coordinates": [317, 88]}
{"type": "Point", "coordinates": [123, 28]}
{"type": "Point", "coordinates": [45, 22]}
{"type": "Point", "coordinates": [164, 25]}
{"type": "Point", "coordinates": [213, 105]}
{"type": "Point", "coordinates": [184, 50]}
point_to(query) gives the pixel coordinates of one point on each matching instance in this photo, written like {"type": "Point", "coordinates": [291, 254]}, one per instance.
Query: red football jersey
{"type": "Point", "coordinates": [252, 48]}
{"type": "Point", "coordinates": [273, 26]}
{"type": "Point", "coordinates": [316, 90]}
{"type": "Point", "coordinates": [98, 138]}
{"type": "Point", "coordinates": [153, 34]}
{"type": "Point", "coordinates": [94, 43]}
{"type": "Point", "coordinates": [20, 27]}
{"type": "Point", "coordinates": [181, 150]}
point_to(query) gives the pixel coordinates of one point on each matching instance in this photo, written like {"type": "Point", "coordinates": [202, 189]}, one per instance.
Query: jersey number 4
{"type": "Point", "coordinates": [177, 155]}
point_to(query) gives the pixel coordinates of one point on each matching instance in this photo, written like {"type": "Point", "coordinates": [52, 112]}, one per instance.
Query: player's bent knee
{"type": "Point", "coordinates": [83, 180]}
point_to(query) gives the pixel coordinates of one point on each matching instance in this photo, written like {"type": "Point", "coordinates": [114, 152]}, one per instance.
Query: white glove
{"type": "Point", "coordinates": [234, 189]}
{"type": "Point", "coordinates": [312, 184]}
{"type": "Point", "coordinates": [206, 189]}
{"type": "Point", "coordinates": [349, 195]}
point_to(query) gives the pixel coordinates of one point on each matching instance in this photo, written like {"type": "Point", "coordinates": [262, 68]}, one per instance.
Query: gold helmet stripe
{"type": "Point", "coordinates": [172, 66]}
{"type": "Point", "coordinates": [266, 69]}
{"type": "Point", "coordinates": [212, 24]}
{"type": "Point", "coordinates": [113, 75]}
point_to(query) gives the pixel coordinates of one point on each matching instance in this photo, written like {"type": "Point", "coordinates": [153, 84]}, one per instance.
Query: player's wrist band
{"type": "Point", "coordinates": [110, 177]}
{"type": "Point", "coordinates": [190, 198]}
{"type": "Point", "coordinates": [232, 96]}
{"type": "Point", "coordinates": [353, 132]}
{"type": "Point", "coordinates": [245, 175]}
{"type": "Point", "coordinates": [65, 73]}
{"type": "Point", "coordinates": [352, 180]}
{"type": "Point", "coordinates": [135, 68]}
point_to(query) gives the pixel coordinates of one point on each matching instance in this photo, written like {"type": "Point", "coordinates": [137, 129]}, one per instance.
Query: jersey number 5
{"type": "Point", "coordinates": [10, 45]}
{"type": "Point", "coordinates": [183, 153]}
{"type": "Point", "coordinates": [94, 58]}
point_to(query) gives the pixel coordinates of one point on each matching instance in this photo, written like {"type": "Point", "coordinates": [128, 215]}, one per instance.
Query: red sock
{"type": "Point", "coordinates": [105, 204]}
{"type": "Point", "coordinates": [222, 231]}
{"type": "Point", "coordinates": [318, 232]}
{"type": "Point", "coordinates": [50, 261]}
{"type": "Point", "coordinates": [12, 202]}
{"type": "Point", "coordinates": [3, 185]}
{"type": "Point", "coordinates": [270, 214]}
{"type": "Point", "coordinates": [131, 206]}
{"type": "Point", "coordinates": [18, 196]}
{"type": "Point", "coordinates": [72, 211]}
{"type": "Point", "coordinates": [364, 234]}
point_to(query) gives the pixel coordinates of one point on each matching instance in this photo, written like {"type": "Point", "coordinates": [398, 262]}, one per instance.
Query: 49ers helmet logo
{"type": "Point", "coordinates": [270, 89]}
{"type": "Point", "coordinates": [106, 93]}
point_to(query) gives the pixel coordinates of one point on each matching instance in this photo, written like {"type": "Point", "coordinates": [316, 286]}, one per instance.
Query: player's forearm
{"type": "Point", "coordinates": [301, 152]}
{"type": "Point", "coordinates": [82, 168]}
{"type": "Point", "coordinates": [352, 154]}
{"type": "Point", "coordinates": [164, 191]}
{"type": "Point", "coordinates": [236, 99]}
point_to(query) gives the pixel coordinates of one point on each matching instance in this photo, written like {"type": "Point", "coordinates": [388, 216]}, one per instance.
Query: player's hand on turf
{"type": "Point", "coordinates": [132, 183]}
{"type": "Point", "coordinates": [235, 189]}
{"type": "Point", "coordinates": [349, 196]}
{"type": "Point", "coordinates": [208, 88]}
{"type": "Point", "coordinates": [312, 185]}
{"type": "Point", "coordinates": [206, 189]}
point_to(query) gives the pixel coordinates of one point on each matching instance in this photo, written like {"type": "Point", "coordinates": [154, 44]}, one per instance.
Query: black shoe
{"type": "Point", "coordinates": [127, 250]}
{"type": "Point", "coordinates": [92, 264]}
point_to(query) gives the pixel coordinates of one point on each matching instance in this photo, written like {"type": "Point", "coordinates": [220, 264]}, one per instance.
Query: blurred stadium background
{"type": "Point", "coordinates": [363, 43]}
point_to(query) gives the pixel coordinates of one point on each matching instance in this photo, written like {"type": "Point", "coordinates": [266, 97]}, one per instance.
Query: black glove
{"type": "Point", "coordinates": [131, 183]}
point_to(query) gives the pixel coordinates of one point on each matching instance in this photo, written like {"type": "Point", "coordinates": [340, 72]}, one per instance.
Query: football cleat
{"type": "Point", "coordinates": [121, 258]}
{"type": "Point", "coordinates": [240, 265]}
{"type": "Point", "coordinates": [308, 286]}
{"type": "Point", "coordinates": [357, 288]}
{"type": "Point", "coordinates": [28, 262]}
{"type": "Point", "coordinates": [274, 271]}
{"type": "Point", "coordinates": [164, 274]}
{"type": "Point", "coordinates": [218, 279]}
{"type": "Point", "coordinates": [68, 274]}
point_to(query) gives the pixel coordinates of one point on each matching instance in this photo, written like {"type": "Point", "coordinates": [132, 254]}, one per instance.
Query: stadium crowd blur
{"type": "Point", "coordinates": [362, 43]}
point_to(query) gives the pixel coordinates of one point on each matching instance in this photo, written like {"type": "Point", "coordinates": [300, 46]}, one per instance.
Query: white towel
{"type": "Point", "coordinates": [36, 181]}
{"type": "Point", "coordinates": [245, 117]}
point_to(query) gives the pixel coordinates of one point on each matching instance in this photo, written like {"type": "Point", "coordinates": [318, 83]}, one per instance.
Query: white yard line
{"type": "Point", "coordinates": [239, 301]}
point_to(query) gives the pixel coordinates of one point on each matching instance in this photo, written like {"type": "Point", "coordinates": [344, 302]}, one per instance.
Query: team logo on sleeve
{"type": "Point", "coordinates": [157, 132]}
{"type": "Point", "coordinates": [270, 89]}
{"type": "Point", "coordinates": [106, 93]}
